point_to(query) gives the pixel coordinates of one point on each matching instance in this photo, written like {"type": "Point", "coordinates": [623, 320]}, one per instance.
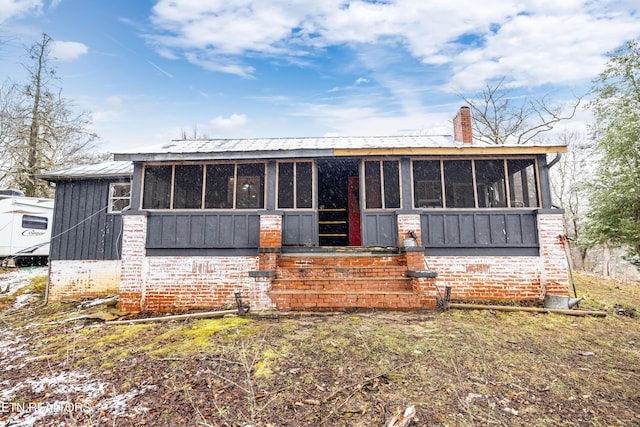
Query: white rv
{"type": "Point", "coordinates": [25, 227]}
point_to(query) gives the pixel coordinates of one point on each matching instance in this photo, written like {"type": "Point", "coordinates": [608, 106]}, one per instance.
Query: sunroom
{"type": "Point", "coordinates": [464, 202]}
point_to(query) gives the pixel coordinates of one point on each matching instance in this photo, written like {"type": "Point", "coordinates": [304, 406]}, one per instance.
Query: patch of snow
{"type": "Point", "coordinates": [97, 301]}
{"type": "Point", "coordinates": [22, 300]}
{"type": "Point", "coordinates": [67, 383]}
{"type": "Point", "coordinates": [11, 347]}
{"type": "Point", "coordinates": [18, 279]}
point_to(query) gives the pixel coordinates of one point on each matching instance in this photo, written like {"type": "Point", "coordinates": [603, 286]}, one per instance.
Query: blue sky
{"type": "Point", "coordinates": [146, 70]}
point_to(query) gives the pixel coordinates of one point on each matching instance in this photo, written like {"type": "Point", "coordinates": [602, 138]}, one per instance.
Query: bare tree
{"type": "Point", "coordinates": [195, 134]}
{"type": "Point", "coordinates": [40, 130]}
{"type": "Point", "coordinates": [8, 94]}
{"type": "Point", "coordinates": [569, 184]}
{"type": "Point", "coordinates": [499, 117]}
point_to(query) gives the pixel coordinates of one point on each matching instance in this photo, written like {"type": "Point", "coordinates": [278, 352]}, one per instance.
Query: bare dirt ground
{"type": "Point", "coordinates": [458, 368]}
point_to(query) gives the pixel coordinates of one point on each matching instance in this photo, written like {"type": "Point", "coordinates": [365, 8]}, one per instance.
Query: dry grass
{"type": "Point", "coordinates": [459, 368]}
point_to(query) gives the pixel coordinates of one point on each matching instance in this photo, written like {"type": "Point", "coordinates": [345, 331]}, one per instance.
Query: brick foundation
{"type": "Point", "coordinates": [175, 284]}
{"type": "Point", "coordinates": [517, 278]}
{"type": "Point", "coordinates": [78, 279]}
{"type": "Point", "coordinates": [488, 278]}
{"type": "Point", "coordinates": [336, 282]}
{"type": "Point", "coordinates": [554, 269]}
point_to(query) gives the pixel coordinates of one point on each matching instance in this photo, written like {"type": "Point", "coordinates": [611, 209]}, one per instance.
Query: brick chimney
{"type": "Point", "coordinates": [462, 131]}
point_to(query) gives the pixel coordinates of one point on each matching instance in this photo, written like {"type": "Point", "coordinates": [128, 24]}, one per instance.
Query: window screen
{"type": "Point", "coordinates": [220, 186]}
{"type": "Point", "coordinates": [523, 188]}
{"type": "Point", "coordinates": [187, 191]}
{"type": "Point", "coordinates": [295, 177]}
{"type": "Point", "coordinates": [157, 187]}
{"type": "Point", "coordinates": [250, 186]}
{"type": "Point", "coordinates": [490, 183]}
{"type": "Point", "coordinates": [427, 184]}
{"type": "Point", "coordinates": [458, 184]}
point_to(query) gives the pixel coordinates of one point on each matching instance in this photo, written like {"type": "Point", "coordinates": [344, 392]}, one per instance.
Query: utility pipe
{"type": "Point", "coordinates": [530, 309]}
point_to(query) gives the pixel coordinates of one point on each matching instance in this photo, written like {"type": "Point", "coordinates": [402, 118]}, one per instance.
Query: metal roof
{"type": "Point", "coordinates": [113, 169]}
{"type": "Point", "coordinates": [261, 148]}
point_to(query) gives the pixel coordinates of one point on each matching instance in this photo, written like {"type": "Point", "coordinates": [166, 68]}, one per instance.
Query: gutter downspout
{"type": "Point", "coordinates": [554, 161]}
{"type": "Point", "coordinates": [46, 291]}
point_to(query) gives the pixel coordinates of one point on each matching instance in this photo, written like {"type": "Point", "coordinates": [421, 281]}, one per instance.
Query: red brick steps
{"type": "Point", "coordinates": [343, 282]}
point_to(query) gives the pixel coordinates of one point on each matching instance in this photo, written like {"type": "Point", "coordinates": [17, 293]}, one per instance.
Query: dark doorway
{"type": "Point", "coordinates": [338, 203]}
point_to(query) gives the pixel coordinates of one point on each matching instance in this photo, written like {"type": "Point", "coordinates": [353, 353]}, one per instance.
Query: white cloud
{"type": "Point", "coordinates": [413, 52]}
{"type": "Point", "coordinates": [228, 124]}
{"type": "Point", "coordinates": [114, 101]}
{"type": "Point", "coordinates": [538, 41]}
{"type": "Point", "coordinates": [16, 8]}
{"type": "Point", "coordinates": [68, 51]}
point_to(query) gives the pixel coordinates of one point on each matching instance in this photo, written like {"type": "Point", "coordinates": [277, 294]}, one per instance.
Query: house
{"type": "Point", "coordinates": [332, 223]}
{"type": "Point", "coordinates": [85, 249]}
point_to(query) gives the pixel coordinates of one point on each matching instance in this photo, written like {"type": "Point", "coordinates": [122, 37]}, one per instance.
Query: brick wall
{"type": "Point", "coordinates": [407, 223]}
{"type": "Point", "coordinates": [69, 280]}
{"type": "Point", "coordinates": [555, 270]}
{"type": "Point", "coordinates": [488, 278]}
{"type": "Point", "coordinates": [175, 283]}
{"type": "Point", "coordinates": [270, 231]}
{"type": "Point", "coordinates": [509, 278]}
{"type": "Point", "coordinates": [132, 261]}
{"type": "Point", "coordinates": [170, 284]}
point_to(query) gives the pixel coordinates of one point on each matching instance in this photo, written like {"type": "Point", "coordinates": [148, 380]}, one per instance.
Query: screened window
{"type": "Point", "coordinates": [382, 184]}
{"type": "Point", "coordinates": [491, 185]}
{"type": "Point", "coordinates": [427, 184]}
{"type": "Point", "coordinates": [119, 196]}
{"type": "Point", "coordinates": [523, 187]}
{"type": "Point", "coordinates": [187, 188]}
{"type": "Point", "coordinates": [220, 186]}
{"type": "Point", "coordinates": [35, 222]}
{"type": "Point", "coordinates": [295, 185]}
{"type": "Point", "coordinates": [157, 187]}
{"type": "Point", "coordinates": [458, 184]}
{"type": "Point", "coordinates": [250, 186]}
{"type": "Point", "coordinates": [209, 186]}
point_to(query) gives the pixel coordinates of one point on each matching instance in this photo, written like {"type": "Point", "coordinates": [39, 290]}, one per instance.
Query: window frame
{"type": "Point", "coordinates": [235, 164]}
{"type": "Point", "coordinates": [113, 199]}
{"type": "Point", "coordinates": [503, 159]}
{"type": "Point", "coordinates": [383, 199]}
{"type": "Point", "coordinates": [295, 184]}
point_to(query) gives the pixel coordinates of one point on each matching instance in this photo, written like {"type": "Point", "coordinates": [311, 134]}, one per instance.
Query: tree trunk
{"type": "Point", "coordinates": [32, 160]}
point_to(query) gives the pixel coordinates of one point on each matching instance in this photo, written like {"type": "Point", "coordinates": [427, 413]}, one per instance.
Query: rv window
{"type": "Point", "coordinates": [119, 196]}
{"type": "Point", "coordinates": [35, 222]}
